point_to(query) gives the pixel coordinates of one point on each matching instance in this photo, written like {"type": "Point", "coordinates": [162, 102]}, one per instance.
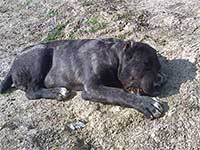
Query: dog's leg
{"type": "Point", "coordinates": [149, 107]}
{"type": "Point", "coordinates": [6, 83]}
{"type": "Point", "coordinates": [59, 93]}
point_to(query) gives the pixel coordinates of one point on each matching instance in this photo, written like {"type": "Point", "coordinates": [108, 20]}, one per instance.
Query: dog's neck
{"type": "Point", "coordinates": [117, 47]}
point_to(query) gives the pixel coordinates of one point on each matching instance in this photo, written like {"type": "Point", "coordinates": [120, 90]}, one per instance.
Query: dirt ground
{"type": "Point", "coordinates": [172, 27]}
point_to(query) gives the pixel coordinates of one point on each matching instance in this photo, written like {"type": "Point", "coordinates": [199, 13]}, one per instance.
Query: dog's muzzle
{"type": "Point", "coordinates": [130, 87]}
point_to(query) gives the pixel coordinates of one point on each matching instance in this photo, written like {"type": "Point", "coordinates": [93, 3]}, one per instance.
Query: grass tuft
{"type": "Point", "coordinates": [52, 13]}
{"type": "Point", "coordinates": [194, 107]}
{"type": "Point", "coordinates": [28, 2]}
{"type": "Point", "coordinates": [56, 33]}
{"type": "Point", "coordinates": [96, 24]}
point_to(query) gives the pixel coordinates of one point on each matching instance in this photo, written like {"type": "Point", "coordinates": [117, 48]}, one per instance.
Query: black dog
{"type": "Point", "coordinates": [104, 69]}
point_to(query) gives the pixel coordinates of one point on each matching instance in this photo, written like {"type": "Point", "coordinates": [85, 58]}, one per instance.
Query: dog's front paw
{"type": "Point", "coordinates": [151, 108]}
{"type": "Point", "coordinates": [63, 93]}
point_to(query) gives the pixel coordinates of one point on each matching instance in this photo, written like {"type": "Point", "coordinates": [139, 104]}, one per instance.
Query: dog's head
{"type": "Point", "coordinates": [139, 68]}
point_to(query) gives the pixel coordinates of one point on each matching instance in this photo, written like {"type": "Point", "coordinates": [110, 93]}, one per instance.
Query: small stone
{"type": "Point", "coordinates": [77, 125]}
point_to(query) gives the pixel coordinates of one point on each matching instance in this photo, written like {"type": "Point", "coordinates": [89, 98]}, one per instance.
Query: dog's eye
{"type": "Point", "coordinates": [148, 62]}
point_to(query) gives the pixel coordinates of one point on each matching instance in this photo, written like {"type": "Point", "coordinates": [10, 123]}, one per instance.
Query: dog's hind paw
{"type": "Point", "coordinates": [63, 94]}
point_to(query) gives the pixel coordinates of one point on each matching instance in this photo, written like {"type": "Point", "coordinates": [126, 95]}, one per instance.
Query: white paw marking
{"type": "Point", "coordinates": [63, 91]}
{"type": "Point", "coordinates": [155, 99]}
{"type": "Point", "coordinates": [158, 106]}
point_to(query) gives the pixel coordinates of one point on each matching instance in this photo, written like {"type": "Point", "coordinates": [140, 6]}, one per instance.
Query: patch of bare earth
{"type": "Point", "coordinates": [172, 27]}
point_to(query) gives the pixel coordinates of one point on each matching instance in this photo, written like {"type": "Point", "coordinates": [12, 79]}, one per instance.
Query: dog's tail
{"type": "Point", "coordinates": [6, 83]}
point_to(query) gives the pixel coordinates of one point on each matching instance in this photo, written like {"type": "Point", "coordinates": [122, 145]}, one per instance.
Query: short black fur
{"type": "Point", "coordinates": [102, 68]}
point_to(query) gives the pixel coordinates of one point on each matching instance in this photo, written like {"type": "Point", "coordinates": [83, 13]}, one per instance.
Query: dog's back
{"type": "Point", "coordinates": [33, 64]}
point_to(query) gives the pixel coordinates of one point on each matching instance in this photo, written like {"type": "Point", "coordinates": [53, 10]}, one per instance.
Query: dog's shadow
{"type": "Point", "coordinates": [179, 71]}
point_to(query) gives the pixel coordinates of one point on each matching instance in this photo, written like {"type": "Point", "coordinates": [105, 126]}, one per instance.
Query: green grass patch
{"type": "Point", "coordinates": [56, 33]}
{"type": "Point", "coordinates": [96, 24]}
{"type": "Point", "coordinates": [52, 13]}
{"type": "Point", "coordinates": [28, 2]}
{"type": "Point", "coordinates": [87, 3]}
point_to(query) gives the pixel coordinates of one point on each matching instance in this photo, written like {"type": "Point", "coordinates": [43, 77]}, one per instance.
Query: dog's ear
{"type": "Point", "coordinates": [128, 49]}
{"type": "Point", "coordinates": [128, 44]}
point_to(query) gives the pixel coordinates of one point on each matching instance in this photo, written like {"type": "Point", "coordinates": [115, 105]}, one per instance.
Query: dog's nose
{"type": "Point", "coordinates": [156, 84]}
{"type": "Point", "coordinates": [161, 80]}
